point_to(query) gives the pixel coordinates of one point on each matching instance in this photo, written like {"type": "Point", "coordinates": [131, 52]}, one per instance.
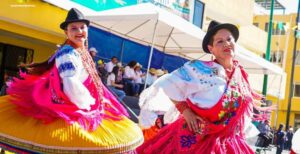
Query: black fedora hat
{"type": "Point", "coordinates": [74, 15]}
{"type": "Point", "coordinates": [213, 27]}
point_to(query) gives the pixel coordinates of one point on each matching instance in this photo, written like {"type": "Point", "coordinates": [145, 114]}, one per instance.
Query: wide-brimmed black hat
{"type": "Point", "coordinates": [213, 27]}
{"type": "Point", "coordinates": [74, 15]}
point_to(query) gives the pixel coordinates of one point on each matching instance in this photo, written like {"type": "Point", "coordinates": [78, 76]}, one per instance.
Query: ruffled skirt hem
{"type": "Point", "coordinates": [25, 134]}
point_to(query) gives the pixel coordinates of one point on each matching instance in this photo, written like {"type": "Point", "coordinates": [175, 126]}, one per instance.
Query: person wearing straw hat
{"type": "Point", "coordinates": [213, 99]}
{"type": "Point", "coordinates": [152, 77]}
{"type": "Point", "coordinates": [159, 72]}
{"type": "Point", "coordinates": [61, 105]}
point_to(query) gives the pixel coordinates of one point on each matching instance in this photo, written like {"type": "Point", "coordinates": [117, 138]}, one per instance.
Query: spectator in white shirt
{"type": "Point", "coordinates": [113, 86]}
{"type": "Point", "coordinates": [129, 77]}
{"type": "Point", "coordinates": [139, 74]}
{"type": "Point", "coordinates": [110, 65]}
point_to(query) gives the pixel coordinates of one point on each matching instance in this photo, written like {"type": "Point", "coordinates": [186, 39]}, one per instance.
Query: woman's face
{"type": "Point", "coordinates": [77, 33]}
{"type": "Point", "coordinates": [223, 45]}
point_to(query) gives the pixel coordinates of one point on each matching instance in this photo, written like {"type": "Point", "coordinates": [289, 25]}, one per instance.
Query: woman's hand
{"type": "Point", "coordinates": [191, 119]}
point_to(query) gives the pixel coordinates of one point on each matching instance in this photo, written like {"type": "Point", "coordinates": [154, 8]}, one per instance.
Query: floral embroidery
{"type": "Point", "coordinates": [225, 104]}
{"type": "Point", "coordinates": [187, 140]}
{"type": "Point", "coordinates": [230, 103]}
{"type": "Point", "coordinates": [236, 104]}
{"type": "Point", "coordinates": [184, 74]}
{"type": "Point", "coordinates": [65, 50]}
{"type": "Point", "coordinates": [226, 121]}
{"type": "Point", "coordinates": [215, 71]}
{"type": "Point", "coordinates": [235, 94]}
{"type": "Point", "coordinates": [221, 114]}
{"type": "Point", "coordinates": [66, 66]}
{"type": "Point", "coordinates": [201, 67]}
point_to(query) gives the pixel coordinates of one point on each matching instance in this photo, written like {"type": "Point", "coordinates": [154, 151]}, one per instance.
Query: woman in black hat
{"type": "Point", "coordinates": [214, 100]}
{"type": "Point", "coordinates": [62, 106]}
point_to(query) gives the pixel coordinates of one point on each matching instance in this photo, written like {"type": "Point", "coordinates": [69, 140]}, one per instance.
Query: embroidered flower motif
{"type": "Point", "coordinates": [226, 121]}
{"type": "Point", "coordinates": [236, 104]}
{"type": "Point", "coordinates": [185, 75]}
{"type": "Point", "coordinates": [235, 94]}
{"type": "Point", "coordinates": [187, 141]}
{"type": "Point", "coordinates": [215, 71]}
{"type": "Point", "coordinates": [233, 83]}
{"type": "Point", "coordinates": [225, 103]}
{"type": "Point", "coordinates": [221, 114]}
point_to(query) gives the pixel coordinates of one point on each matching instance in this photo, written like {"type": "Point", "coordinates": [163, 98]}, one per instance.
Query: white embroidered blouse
{"type": "Point", "coordinates": [73, 75]}
{"type": "Point", "coordinates": [203, 83]}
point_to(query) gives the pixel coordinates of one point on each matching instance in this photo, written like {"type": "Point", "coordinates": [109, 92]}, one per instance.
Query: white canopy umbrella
{"type": "Point", "coordinates": [150, 25]}
{"type": "Point", "coordinates": [138, 23]}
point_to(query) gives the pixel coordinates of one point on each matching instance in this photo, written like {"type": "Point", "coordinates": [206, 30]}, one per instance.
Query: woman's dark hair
{"type": "Point", "coordinates": [280, 127]}
{"type": "Point", "coordinates": [115, 71]}
{"type": "Point", "coordinates": [40, 68]}
{"type": "Point", "coordinates": [132, 63]}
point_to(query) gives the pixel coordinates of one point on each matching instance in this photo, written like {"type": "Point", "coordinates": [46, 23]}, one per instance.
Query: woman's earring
{"type": "Point", "coordinates": [212, 57]}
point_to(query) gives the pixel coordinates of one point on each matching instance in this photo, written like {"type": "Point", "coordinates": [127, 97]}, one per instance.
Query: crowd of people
{"type": "Point", "coordinates": [269, 136]}
{"type": "Point", "coordinates": [128, 80]}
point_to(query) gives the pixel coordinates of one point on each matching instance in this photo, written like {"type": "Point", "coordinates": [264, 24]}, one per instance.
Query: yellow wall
{"type": "Point", "coordinates": [32, 24]}
{"type": "Point", "coordinates": [35, 21]}
{"type": "Point", "coordinates": [34, 14]}
{"type": "Point", "coordinates": [41, 51]}
{"type": "Point", "coordinates": [230, 11]}
{"type": "Point", "coordinates": [281, 41]}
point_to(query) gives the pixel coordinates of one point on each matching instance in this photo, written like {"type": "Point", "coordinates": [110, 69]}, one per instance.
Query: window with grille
{"type": "Point", "coordinates": [297, 90]}
{"type": "Point", "coordinates": [297, 61]}
{"type": "Point", "coordinates": [278, 28]}
{"type": "Point", "coordinates": [276, 57]}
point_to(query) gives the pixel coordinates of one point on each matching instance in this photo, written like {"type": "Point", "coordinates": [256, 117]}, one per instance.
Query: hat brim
{"type": "Point", "coordinates": [232, 28]}
{"type": "Point", "coordinates": [160, 73]}
{"type": "Point", "coordinates": [153, 72]}
{"type": "Point", "coordinates": [65, 24]}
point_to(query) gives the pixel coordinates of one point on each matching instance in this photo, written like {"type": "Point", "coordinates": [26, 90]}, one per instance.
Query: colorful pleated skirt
{"type": "Point", "coordinates": [24, 134]}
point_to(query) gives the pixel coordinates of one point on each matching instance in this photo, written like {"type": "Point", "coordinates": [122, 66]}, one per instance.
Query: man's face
{"type": "Point", "coordinates": [93, 53]}
{"type": "Point", "coordinates": [114, 60]}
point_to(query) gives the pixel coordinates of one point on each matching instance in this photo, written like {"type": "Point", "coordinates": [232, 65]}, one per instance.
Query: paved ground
{"type": "Point", "coordinates": [272, 150]}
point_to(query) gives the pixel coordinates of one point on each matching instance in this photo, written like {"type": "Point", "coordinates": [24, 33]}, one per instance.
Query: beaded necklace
{"type": "Point", "coordinates": [90, 67]}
